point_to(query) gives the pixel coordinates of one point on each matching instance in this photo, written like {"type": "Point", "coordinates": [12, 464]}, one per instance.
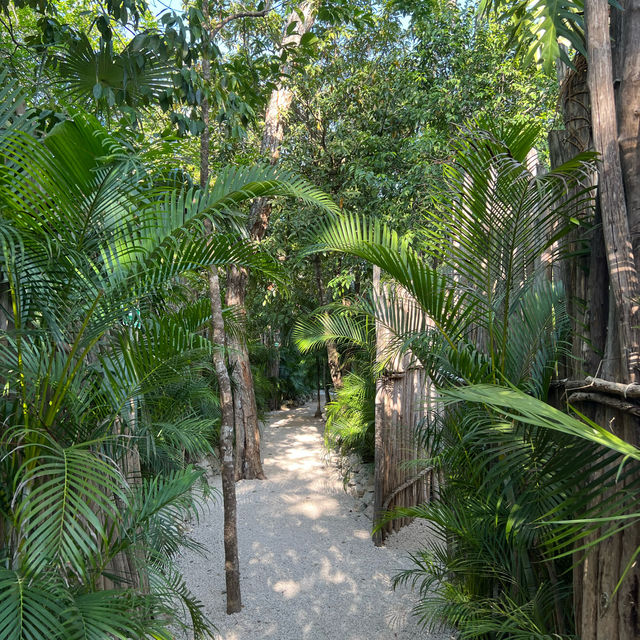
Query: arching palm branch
{"type": "Point", "coordinates": [90, 241]}
{"type": "Point", "coordinates": [490, 317]}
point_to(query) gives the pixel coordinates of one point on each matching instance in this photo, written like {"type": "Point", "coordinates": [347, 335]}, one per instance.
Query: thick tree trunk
{"type": "Point", "coordinates": [585, 275]}
{"type": "Point", "coordinates": [248, 464]}
{"type": "Point", "coordinates": [600, 614]}
{"type": "Point", "coordinates": [627, 78]}
{"type": "Point", "coordinates": [232, 564]}
{"type": "Point", "coordinates": [615, 223]}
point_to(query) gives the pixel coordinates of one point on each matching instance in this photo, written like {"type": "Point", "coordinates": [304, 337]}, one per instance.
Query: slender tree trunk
{"type": "Point", "coordinates": [274, 367]}
{"type": "Point", "coordinates": [248, 463]}
{"type": "Point", "coordinates": [318, 413]}
{"type": "Point", "coordinates": [380, 420]}
{"type": "Point", "coordinates": [325, 384]}
{"type": "Point", "coordinates": [231, 561]}
{"type": "Point", "coordinates": [231, 564]}
{"type": "Point", "coordinates": [333, 355]}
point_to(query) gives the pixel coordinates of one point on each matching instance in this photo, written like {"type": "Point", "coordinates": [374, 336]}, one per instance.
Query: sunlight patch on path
{"type": "Point", "coordinates": [309, 570]}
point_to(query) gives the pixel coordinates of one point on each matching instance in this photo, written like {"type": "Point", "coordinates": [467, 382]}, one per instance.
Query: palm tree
{"type": "Point", "coordinates": [97, 252]}
{"type": "Point", "coordinates": [489, 325]}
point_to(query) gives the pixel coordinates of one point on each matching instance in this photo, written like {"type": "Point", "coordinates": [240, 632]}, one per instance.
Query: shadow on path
{"type": "Point", "coordinates": [309, 570]}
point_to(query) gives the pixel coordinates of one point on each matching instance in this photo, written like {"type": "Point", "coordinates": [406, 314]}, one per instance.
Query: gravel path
{"type": "Point", "coordinates": [309, 570]}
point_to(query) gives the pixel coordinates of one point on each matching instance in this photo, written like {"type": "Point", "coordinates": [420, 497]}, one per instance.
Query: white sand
{"type": "Point", "coordinates": [309, 570]}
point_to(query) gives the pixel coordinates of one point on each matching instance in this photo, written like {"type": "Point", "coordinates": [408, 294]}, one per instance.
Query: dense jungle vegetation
{"type": "Point", "coordinates": [209, 210]}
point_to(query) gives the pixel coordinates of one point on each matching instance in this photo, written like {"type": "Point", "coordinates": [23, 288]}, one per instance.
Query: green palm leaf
{"type": "Point", "coordinates": [59, 495]}
{"type": "Point", "coordinates": [104, 614]}
{"type": "Point", "coordinates": [525, 409]}
{"type": "Point", "coordinates": [29, 611]}
{"type": "Point", "coordinates": [342, 327]}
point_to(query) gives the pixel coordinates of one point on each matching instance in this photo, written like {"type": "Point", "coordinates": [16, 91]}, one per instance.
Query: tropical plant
{"type": "Point", "coordinates": [96, 341]}
{"type": "Point", "coordinates": [350, 422]}
{"type": "Point", "coordinates": [484, 312]}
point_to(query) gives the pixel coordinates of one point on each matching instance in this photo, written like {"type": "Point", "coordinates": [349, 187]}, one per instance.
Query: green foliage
{"type": "Point", "coordinates": [350, 425]}
{"type": "Point", "coordinates": [517, 495]}
{"type": "Point", "coordinates": [105, 364]}
{"type": "Point", "coordinates": [543, 29]}
{"type": "Point", "coordinates": [374, 120]}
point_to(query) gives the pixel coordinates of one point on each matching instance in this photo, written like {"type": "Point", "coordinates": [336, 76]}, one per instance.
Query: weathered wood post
{"type": "Point", "coordinates": [401, 404]}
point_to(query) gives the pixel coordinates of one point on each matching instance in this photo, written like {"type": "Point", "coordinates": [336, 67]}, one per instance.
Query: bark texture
{"type": "Point", "coordinates": [585, 276]}
{"type": "Point", "coordinates": [608, 281]}
{"type": "Point", "coordinates": [623, 276]}
{"type": "Point", "coordinates": [379, 461]}
{"type": "Point", "coordinates": [248, 463]}
{"type": "Point", "coordinates": [403, 396]}
{"type": "Point", "coordinates": [627, 78]}
{"type": "Point", "coordinates": [232, 564]}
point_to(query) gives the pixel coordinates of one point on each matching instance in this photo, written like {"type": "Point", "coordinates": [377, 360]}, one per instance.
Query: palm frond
{"type": "Point", "coordinates": [60, 492]}
{"type": "Point", "coordinates": [29, 610]}
{"type": "Point", "coordinates": [344, 326]}
{"type": "Point", "coordinates": [518, 406]}
{"type": "Point", "coordinates": [112, 613]}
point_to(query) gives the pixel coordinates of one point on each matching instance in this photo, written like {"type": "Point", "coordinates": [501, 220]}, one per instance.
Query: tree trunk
{"type": "Point", "coordinates": [615, 223]}
{"type": "Point", "coordinates": [231, 564]}
{"type": "Point", "coordinates": [273, 367]}
{"type": "Point", "coordinates": [380, 419]}
{"type": "Point", "coordinates": [248, 464]}
{"type": "Point", "coordinates": [627, 78]}
{"type": "Point", "coordinates": [599, 613]}
{"type": "Point", "coordinates": [318, 413]}
{"type": "Point", "coordinates": [231, 561]}
{"type": "Point", "coordinates": [584, 275]}
{"type": "Point", "coordinates": [333, 355]}
{"type": "Point", "coordinates": [325, 383]}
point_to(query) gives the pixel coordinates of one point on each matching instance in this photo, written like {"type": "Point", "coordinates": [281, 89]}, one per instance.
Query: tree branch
{"type": "Point", "coordinates": [602, 386]}
{"type": "Point", "coordinates": [601, 398]}
{"type": "Point", "coordinates": [403, 486]}
{"type": "Point", "coordinates": [216, 28]}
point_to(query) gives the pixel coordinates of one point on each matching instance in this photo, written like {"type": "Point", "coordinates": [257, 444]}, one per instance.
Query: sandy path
{"type": "Point", "coordinates": [309, 570]}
